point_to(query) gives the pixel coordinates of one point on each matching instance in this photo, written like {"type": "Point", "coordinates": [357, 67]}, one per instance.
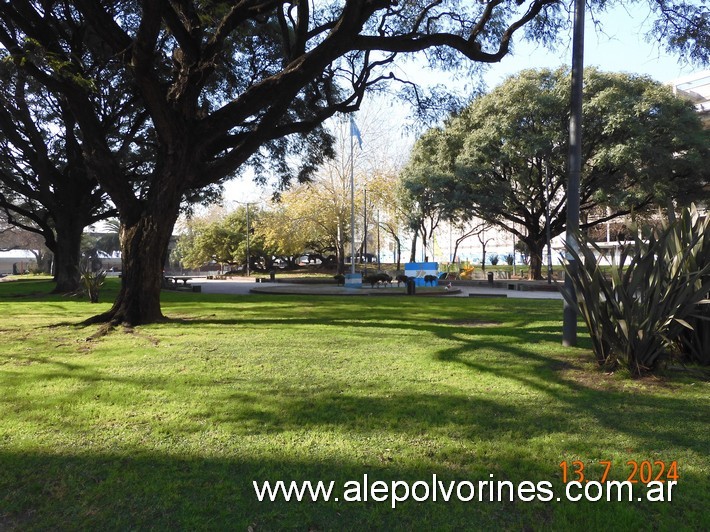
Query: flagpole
{"type": "Point", "coordinates": [352, 201]}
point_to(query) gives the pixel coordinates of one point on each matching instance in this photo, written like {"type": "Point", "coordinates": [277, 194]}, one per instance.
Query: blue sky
{"type": "Point", "coordinates": [621, 45]}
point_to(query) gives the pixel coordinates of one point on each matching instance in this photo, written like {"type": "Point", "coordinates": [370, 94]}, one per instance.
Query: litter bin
{"type": "Point", "coordinates": [272, 275]}
{"type": "Point", "coordinates": [490, 277]}
{"type": "Point", "coordinates": [411, 287]}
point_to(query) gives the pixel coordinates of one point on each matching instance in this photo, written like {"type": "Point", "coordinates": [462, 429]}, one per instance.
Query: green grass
{"type": "Point", "coordinates": [166, 426]}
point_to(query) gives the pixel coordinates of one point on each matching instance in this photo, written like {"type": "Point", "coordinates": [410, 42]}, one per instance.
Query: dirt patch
{"type": "Point", "coordinates": [585, 372]}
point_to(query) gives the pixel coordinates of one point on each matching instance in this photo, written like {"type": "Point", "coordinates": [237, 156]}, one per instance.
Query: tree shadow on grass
{"type": "Point", "coordinates": [622, 412]}
{"type": "Point", "coordinates": [124, 490]}
{"type": "Point", "coordinates": [645, 416]}
{"type": "Point", "coordinates": [209, 487]}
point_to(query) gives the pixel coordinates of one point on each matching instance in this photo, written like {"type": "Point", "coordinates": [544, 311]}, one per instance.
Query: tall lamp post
{"type": "Point", "coordinates": [548, 229]}
{"type": "Point", "coordinates": [364, 223]}
{"type": "Point", "coordinates": [352, 199]}
{"type": "Point", "coordinates": [569, 327]}
{"type": "Point", "coordinates": [247, 203]}
{"type": "Point", "coordinates": [248, 254]}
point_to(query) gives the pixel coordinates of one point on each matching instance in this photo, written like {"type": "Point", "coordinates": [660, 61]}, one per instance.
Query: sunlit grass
{"type": "Point", "coordinates": [166, 426]}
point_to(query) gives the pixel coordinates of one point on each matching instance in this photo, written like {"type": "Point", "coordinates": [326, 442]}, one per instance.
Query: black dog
{"type": "Point", "coordinates": [377, 279]}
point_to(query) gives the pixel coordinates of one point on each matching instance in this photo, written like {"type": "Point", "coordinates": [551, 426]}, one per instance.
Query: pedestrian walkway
{"type": "Point", "coordinates": [241, 286]}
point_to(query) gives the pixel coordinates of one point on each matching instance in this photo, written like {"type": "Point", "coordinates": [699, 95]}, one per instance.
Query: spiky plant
{"type": "Point", "coordinates": [650, 299]}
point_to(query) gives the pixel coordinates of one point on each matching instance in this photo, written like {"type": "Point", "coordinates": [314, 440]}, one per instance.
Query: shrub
{"type": "Point", "coordinates": [92, 281]}
{"type": "Point", "coordinates": [493, 259]}
{"type": "Point", "coordinates": [639, 314]}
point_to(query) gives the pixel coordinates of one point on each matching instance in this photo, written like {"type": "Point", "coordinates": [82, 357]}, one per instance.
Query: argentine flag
{"type": "Point", "coordinates": [355, 132]}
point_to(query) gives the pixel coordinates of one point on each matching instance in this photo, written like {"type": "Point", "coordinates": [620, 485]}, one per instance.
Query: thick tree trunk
{"type": "Point", "coordinates": [536, 250]}
{"type": "Point", "coordinates": [144, 247]}
{"type": "Point", "coordinates": [67, 254]}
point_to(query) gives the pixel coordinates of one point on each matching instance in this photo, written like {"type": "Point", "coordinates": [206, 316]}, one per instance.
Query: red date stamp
{"type": "Point", "coordinates": [644, 472]}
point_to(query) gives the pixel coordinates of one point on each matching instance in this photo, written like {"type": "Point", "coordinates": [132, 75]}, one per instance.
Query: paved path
{"type": "Point", "coordinates": [241, 286]}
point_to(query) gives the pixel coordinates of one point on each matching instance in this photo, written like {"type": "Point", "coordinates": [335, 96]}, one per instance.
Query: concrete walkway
{"type": "Point", "coordinates": [240, 286]}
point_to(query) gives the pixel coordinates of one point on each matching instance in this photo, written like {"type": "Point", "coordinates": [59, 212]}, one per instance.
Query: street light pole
{"type": "Point", "coordinates": [569, 327]}
{"type": "Point", "coordinates": [352, 203]}
{"type": "Point", "coordinates": [378, 239]}
{"type": "Point", "coordinates": [248, 240]}
{"type": "Point", "coordinates": [548, 228]}
{"type": "Point", "coordinates": [364, 224]}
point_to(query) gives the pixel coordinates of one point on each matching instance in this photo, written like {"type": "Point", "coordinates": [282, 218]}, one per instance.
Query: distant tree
{"type": "Point", "coordinates": [14, 238]}
{"type": "Point", "coordinates": [388, 200]}
{"type": "Point", "coordinates": [223, 239]}
{"type": "Point", "coordinates": [313, 217]}
{"type": "Point", "coordinates": [45, 186]}
{"type": "Point", "coordinates": [481, 236]}
{"type": "Point", "coordinates": [643, 147]}
{"type": "Point", "coordinates": [430, 193]}
{"type": "Point", "coordinates": [475, 228]}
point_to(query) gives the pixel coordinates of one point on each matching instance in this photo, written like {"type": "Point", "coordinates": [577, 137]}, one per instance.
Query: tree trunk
{"type": "Point", "coordinates": [413, 254]}
{"type": "Point", "coordinates": [456, 251]}
{"type": "Point", "coordinates": [425, 243]}
{"type": "Point", "coordinates": [67, 254]}
{"type": "Point", "coordinates": [536, 251]}
{"type": "Point", "coordinates": [398, 252]}
{"type": "Point", "coordinates": [340, 257]}
{"type": "Point", "coordinates": [144, 248]}
{"type": "Point", "coordinates": [44, 260]}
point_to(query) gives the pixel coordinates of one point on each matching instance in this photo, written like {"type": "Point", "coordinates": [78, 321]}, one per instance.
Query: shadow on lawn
{"type": "Point", "coordinates": [133, 488]}
{"type": "Point", "coordinates": [643, 416]}
{"type": "Point", "coordinates": [125, 491]}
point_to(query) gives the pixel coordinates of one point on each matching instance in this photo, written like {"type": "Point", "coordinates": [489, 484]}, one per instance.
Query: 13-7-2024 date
{"type": "Point", "coordinates": [644, 471]}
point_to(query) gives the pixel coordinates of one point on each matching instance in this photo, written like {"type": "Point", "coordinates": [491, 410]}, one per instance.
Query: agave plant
{"type": "Point", "coordinates": [638, 314]}
{"type": "Point", "coordinates": [92, 281]}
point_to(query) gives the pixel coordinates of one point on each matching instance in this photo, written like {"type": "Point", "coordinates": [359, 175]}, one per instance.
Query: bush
{"type": "Point", "coordinates": [493, 259]}
{"type": "Point", "coordinates": [645, 309]}
{"type": "Point", "coordinates": [92, 281]}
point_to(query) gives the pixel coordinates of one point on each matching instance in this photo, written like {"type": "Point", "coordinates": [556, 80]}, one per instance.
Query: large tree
{"type": "Point", "coordinates": [643, 148]}
{"type": "Point", "coordinates": [45, 187]}
{"type": "Point", "coordinates": [226, 84]}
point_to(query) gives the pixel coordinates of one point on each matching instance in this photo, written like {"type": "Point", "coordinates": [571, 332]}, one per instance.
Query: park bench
{"type": "Point", "coordinates": [175, 280]}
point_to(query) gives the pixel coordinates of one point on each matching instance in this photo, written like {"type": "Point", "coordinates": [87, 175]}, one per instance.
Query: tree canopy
{"type": "Point", "coordinates": [222, 240]}
{"type": "Point", "coordinates": [220, 85]}
{"type": "Point", "coordinates": [44, 184]}
{"type": "Point", "coordinates": [643, 147]}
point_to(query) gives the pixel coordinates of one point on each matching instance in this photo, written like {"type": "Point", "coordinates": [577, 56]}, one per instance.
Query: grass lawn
{"type": "Point", "coordinates": [166, 426]}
